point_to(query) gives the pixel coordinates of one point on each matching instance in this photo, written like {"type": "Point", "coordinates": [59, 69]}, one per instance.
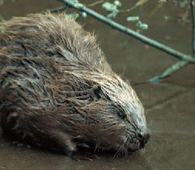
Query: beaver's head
{"type": "Point", "coordinates": [109, 113]}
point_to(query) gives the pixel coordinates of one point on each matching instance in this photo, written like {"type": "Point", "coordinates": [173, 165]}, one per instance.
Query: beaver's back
{"type": "Point", "coordinates": [36, 51]}
{"type": "Point", "coordinates": [55, 36]}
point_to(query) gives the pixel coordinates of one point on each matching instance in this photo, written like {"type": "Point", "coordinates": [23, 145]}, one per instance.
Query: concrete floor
{"type": "Point", "coordinates": [170, 105]}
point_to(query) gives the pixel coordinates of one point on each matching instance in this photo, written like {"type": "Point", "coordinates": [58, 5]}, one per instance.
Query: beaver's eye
{"type": "Point", "coordinates": [121, 114]}
{"type": "Point", "coordinates": [97, 92]}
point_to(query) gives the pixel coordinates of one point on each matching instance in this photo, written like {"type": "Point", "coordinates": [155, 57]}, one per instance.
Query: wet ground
{"type": "Point", "coordinates": [170, 105]}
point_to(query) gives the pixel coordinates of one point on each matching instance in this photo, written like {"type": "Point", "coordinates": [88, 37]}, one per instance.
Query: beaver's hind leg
{"type": "Point", "coordinates": [37, 131]}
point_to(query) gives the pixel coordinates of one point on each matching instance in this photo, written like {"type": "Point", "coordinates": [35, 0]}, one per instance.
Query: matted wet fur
{"type": "Point", "coordinates": [58, 92]}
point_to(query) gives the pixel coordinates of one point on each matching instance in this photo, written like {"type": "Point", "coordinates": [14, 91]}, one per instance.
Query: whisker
{"type": "Point", "coordinates": [120, 148]}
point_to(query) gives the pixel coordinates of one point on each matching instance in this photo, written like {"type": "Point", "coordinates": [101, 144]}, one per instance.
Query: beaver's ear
{"type": "Point", "coordinates": [121, 112]}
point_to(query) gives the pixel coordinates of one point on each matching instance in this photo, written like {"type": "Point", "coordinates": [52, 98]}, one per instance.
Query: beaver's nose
{"type": "Point", "coordinates": [143, 138]}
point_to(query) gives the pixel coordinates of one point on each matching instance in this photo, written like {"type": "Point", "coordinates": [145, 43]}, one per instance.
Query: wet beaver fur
{"type": "Point", "coordinates": [58, 92]}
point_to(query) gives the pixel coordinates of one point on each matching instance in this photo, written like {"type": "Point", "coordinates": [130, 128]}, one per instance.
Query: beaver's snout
{"type": "Point", "coordinates": [143, 138]}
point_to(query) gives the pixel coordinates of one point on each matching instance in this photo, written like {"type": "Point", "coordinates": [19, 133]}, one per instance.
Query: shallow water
{"type": "Point", "coordinates": [170, 106]}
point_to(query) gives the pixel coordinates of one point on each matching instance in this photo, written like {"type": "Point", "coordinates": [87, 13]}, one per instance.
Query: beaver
{"type": "Point", "coordinates": [57, 90]}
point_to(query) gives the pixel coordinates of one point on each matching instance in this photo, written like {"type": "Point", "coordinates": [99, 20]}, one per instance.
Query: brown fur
{"type": "Point", "coordinates": [58, 91]}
